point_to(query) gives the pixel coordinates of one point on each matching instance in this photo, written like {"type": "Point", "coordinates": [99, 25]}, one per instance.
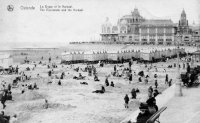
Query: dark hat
{"type": "Point", "coordinates": [143, 106]}
{"type": "Point", "coordinates": [151, 101]}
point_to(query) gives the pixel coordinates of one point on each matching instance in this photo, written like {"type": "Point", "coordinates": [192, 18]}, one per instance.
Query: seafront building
{"type": "Point", "coordinates": [135, 29]}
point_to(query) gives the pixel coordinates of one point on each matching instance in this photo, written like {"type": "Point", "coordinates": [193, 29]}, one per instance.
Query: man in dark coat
{"type": "Point", "coordinates": [170, 82]}
{"type": "Point", "coordinates": [4, 98]}
{"type": "Point", "coordinates": [151, 102]}
{"type": "Point", "coordinates": [188, 68]}
{"type": "Point", "coordinates": [140, 79]}
{"type": "Point", "coordinates": [49, 73]}
{"type": "Point", "coordinates": [150, 91]}
{"type": "Point", "coordinates": [166, 79]}
{"type": "Point", "coordinates": [155, 93]}
{"type": "Point", "coordinates": [115, 68]}
{"type": "Point", "coordinates": [144, 114]}
{"type": "Point", "coordinates": [130, 78]}
{"type": "Point", "coordinates": [106, 82]}
{"type": "Point", "coordinates": [156, 83]}
{"type": "Point", "coordinates": [133, 93]}
{"type": "Point", "coordinates": [126, 99]}
{"type": "Point", "coordinates": [59, 82]}
{"type": "Point", "coordinates": [130, 64]}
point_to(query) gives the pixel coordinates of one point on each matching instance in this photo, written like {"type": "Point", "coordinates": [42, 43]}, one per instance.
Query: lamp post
{"type": "Point", "coordinates": [178, 88]}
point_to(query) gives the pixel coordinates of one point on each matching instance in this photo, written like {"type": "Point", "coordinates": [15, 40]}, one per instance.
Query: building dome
{"type": "Point", "coordinates": [107, 22]}
{"type": "Point", "coordinates": [135, 12]}
{"type": "Point", "coordinates": [106, 26]}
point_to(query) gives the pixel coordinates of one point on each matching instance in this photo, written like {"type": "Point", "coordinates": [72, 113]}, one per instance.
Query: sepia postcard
{"type": "Point", "coordinates": [99, 61]}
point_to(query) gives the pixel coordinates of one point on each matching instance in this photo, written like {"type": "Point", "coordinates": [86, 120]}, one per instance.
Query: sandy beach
{"type": "Point", "coordinates": [73, 102]}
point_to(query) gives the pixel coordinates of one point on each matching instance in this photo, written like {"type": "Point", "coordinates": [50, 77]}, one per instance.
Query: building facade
{"type": "Point", "coordinates": [136, 29]}
{"type": "Point", "coordinates": [184, 30]}
{"type": "Point", "coordinates": [157, 32]}
{"type": "Point", "coordinates": [196, 35]}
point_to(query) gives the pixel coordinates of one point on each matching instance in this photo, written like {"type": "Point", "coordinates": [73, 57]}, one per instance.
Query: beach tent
{"type": "Point", "coordinates": [5, 61]}
{"type": "Point", "coordinates": [67, 56]}
{"type": "Point", "coordinates": [156, 54]}
{"type": "Point", "coordinates": [113, 55]}
{"type": "Point", "coordinates": [120, 54]}
{"type": "Point", "coordinates": [145, 55]}
{"type": "Point", "coordinates": [95, 56]}
{"type": "Point", "coordinates": [89, 56]}
{"type": "Point", "coordinates": [101, 55]}
{"type": "Point", "coordinates": [126, 54]}
{"type": "Point", "coordinates": [79, 56]}
{"type": "Point", "coordinates": [137, 54]}
{"type": "Point", "coordinates": [104, 54]}
{"type": "Point", "coordinates": [75, 55]}
{"type": "Point", "coordinates": [129, 54]}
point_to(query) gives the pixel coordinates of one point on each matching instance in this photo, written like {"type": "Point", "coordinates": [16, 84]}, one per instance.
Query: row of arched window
{"type": "Point", "coordinates": [133, 20]}
{"type": "Point", "coordinates": [113, 29]}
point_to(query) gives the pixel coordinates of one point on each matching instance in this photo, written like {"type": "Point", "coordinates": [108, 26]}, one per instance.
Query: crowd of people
{"type": "Point", "coordinates": [119, 70]}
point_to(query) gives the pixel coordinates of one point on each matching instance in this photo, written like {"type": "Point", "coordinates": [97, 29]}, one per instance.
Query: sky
{"type": "Point", "coordinates": [35, 28]}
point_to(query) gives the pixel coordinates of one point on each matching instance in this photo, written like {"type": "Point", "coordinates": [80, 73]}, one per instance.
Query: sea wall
{"type": "Point", "coordinates": [161, 100]}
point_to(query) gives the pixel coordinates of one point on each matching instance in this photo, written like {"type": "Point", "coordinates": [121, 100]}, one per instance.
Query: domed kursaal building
{"type": "Point", "coordinates": [137, 30]}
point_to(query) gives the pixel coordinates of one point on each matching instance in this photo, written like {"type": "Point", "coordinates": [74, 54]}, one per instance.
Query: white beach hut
{"type": "Point", "coordinates": [113, 55]}
{"type": "Point", "coordinates": [89, 56]}
{"type": "Point", "coordinates": [79, 55]}
{"type": "Point", "coordinates": [138, 54]}
{"type": "Point", "coordinates": [5, 60]}
{"type": "Point", "coordinates": [66, 56]}
{"type": "Point", "coordinates": [146, 55]}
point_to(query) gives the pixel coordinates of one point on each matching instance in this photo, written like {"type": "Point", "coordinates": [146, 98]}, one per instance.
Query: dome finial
{"type": "Point", "coordinates": [183, 12]}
